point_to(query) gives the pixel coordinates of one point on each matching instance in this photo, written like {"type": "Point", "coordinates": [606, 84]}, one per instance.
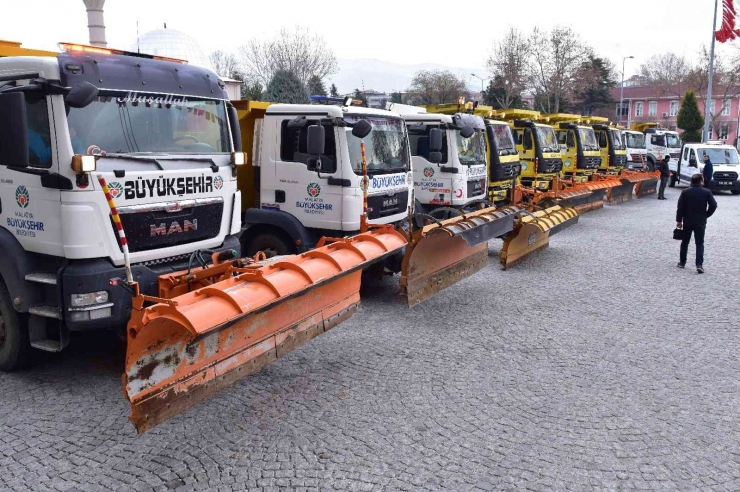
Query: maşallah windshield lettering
{"type": "Point", "coordinates": [386, 147]}
{"type": "Point", "coordinates": [123, 123]}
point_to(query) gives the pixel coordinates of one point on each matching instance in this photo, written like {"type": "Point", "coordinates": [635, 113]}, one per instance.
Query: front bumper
{"type": "Point", "coordinates": [724, 185]}
{"type": "Point", "coordinates": [84, 276]}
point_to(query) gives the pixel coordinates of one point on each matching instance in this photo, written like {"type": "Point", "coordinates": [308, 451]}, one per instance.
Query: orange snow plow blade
{"type": "Point", "coordinates": [585, 196]}
{"type": "Point", "coordinates": [214, 326]}
{"type": "Point", "coordinates": [646, 183]}
{"type": "Point", "coordinates": [532, 232]}
{"type": "Point", "coordinates": [445, 252]}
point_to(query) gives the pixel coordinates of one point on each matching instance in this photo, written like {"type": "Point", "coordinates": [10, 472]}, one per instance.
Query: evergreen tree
{"type": "Point", "coordinates": [497, 96]}
{"type": "Point", "coordinates": [252, 92]}
{"type": "Point", "coordinates": [316, 86]}
{"type": "Point", "coordinates": [591, 85]}
{"type": "Point", "coordinates": [360, 97]}
{"type": "Point", "coordinates": [334, 92]}
{"type": "Point", "coordinates": [286, 87]}
{"type": "Point", "coordinates": [396, 97]}
{"type": "Point", "coordinates": [690, 119]}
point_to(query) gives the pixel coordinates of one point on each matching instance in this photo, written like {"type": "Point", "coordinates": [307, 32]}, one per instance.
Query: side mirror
{"type": "Point", "coordinates": [692, 162]}
{"type": "Point", "coordinates": [527, 144]}
{"type": "Point", "coordinates": [315, 140]}
{"type": "Point", "coordinates": [467, 131]}
{"type": "Point", "coordinates": [435, 141]}
{"type": "Point", "coordinates": [13, 130]}
{"type": "Point", "coordinates": [81, 95]}
{"type": "Point", "coordinates": [602, 140]}
{"type": "Point", "coordinates": [362, 129]}
{"type": "Point", "coordinates": [435, 157]}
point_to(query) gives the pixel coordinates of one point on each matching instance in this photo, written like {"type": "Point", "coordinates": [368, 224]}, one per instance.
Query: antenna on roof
{"type": "Point", "coordinates": [165, 25]}
{"type": "Point", "coordinates": [138, 49]}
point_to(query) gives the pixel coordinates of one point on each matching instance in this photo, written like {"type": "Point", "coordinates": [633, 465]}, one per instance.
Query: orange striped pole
{"type": "Point", "coordinates": [365, 186]}
{"type": "Point", "coordinates": [119, 227]}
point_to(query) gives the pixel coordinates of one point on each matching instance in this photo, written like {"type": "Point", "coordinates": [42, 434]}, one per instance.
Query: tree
{"type": "Point", "coordinates": [555, 59]}
{"type": "Point", "coordinates": [334, 92]}
{"type": "Point", "coordinates": [252, 91]}
{"type": "Point", "coordinates": [316, 86]}
{"type": "Point", "coordinates": [497, 95]}
{"type": "Point", "coordinates": [396, 97]}
{"type": "Point", "coordinates": [667, 73]}
{"type": "Point", "coordinates": [226, 65]}
{"type": "Point", "coordinates": [690, 119]}
{"type": "Point", "coordinates": [286, 87]}
{"type": "Point", "coordinates": [296, 51]}
{"type": "Point", "coordinates": [726, 83]}
{"type": "Point", "coordinates": [508, 66]}
{"type": "Point", "coordinates": [359, 96]}
{"type": "Point", "coordinates": [591, 85]}
{"type": "Point", "coordinates": [436, 87]}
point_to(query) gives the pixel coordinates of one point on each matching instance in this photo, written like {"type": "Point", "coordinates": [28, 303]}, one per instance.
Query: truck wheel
{"type": "Point", "coordinates": [650, 165]}
{"type": "Point", "coordinates": [15, 348]}
{"type": "Point", "coordinates": [735, 192]}
{"type": "Point", "coordinates": [271, 245]}
{"type": "Point", "coordinates": [672, 182]}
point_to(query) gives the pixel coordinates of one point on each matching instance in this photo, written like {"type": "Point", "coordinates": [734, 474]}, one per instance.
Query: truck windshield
{"type": "Point", "coordinates": [588, 139]}
{"type": "Point", "coordinates": [503, 139]}
{"type": "Point", "coordinates": [673, 141]}
{"type": "Point", "coordinates": [617, 143]}
{"type": "Point", "coordinates": [120, 123]}
{"type": "Point", "coordinates": [720, 156]}
{"type": "Point", "coordinates": [635, 140]}
{"type": "Point", "coordinates": [386, 148]}
{"type": "Point", "coordinates": [547, 139]}
{"type": "Point", "coordinates": [471, 151]}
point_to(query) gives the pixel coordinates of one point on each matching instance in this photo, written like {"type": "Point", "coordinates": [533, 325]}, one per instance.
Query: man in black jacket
{"type": "Point", "coordinates": [665, 173]}
{"type": "Point", "coordinates": [695, 205]}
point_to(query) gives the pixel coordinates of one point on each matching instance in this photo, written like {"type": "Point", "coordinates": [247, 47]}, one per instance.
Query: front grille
{"type": "Point", "coordinates": [505, 171]}
{"type": "Point", "coordinates": [550, 165]}
{"type": "Point", "coordinates": [675, 155]}
{"type": "Point", "coordinates": [637, 157]}
{"type": "Point", "coordinates": [619, 160]}
{"type": "Point", "coordinates": [385, 205]}
{"type": "Point", "coordinates": [150, 227]}
{"type": "Point", "coordinates": [476, 187]}
{"type": "Point", "coordinates": [723, 175]}
{"type": "Point", "coordinates": [590, 163]}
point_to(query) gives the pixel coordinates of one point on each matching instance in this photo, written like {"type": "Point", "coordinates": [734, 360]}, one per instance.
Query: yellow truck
{"type": "Point", "coordinates": [578, 145]}
{"type": "Point", "coordinates": [613, 150]}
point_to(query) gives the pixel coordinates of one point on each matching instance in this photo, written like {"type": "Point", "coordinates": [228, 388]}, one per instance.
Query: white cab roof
{"type": "Point", "coordinates": [328, 109]}
{"type": "Point", "coordinates": [46, 66]}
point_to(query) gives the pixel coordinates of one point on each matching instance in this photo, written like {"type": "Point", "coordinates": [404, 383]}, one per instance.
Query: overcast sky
{"type": "Point", "coordinates": [457, 34]}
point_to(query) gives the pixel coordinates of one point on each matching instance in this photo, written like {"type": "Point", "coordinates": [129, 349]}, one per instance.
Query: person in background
{"type": "Point", "coordinates": [695, 205]}
{"type": "Point", "coordinates": [708, 170]}
{"type": "Point", "coordinates": [665, 173]}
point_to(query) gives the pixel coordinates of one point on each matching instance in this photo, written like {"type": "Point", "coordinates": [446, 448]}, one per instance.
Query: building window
{"type": "Point", "coordinates": [726, 107]}
{"type": "Point", "coordinates": [672, 128]}
{"type": "Point", "coordinates": [625, 109]}
{"type": "Point", "coordinates": [724, 131]}
{"type": "Point", "coordinates": [638, 109]}
{"type": "Point", "coordinates": [710, 133]}
{"type": "Point", "coordinates": [674, 108]}
{"type": "Point", "coordinates": [711, 107]}
{"type": "Point", "coordinates": [653, 108]}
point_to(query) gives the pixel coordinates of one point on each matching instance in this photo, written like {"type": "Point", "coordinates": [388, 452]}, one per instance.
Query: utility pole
{"type": "Point", "coordinates": [621, 92]}
{"type": "Point", "coordinates": [707, 102]}
{"type": "Point", "coordinates": [481, 83]}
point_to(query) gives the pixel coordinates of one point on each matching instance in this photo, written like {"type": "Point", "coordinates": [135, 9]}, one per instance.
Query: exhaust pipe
{"type": "Point", "coordinates": [95, 22]}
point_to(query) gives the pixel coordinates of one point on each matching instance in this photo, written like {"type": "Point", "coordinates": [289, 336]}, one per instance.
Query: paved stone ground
{"type": "Point", "coordinates": [596, 364]}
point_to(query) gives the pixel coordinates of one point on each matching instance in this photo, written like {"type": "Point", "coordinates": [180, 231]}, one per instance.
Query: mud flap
{"type": "Point", "coordinates": [442, 254]}
{"type": "Point", "coordinates": [621, 193]}
{"type": "Point", "coordinates": [184, 349]}
{"type": "Point", "coordinates": [533, 232]}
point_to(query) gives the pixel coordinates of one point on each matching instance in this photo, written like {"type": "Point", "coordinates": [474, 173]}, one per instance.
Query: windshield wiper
{"type": "Point", "coordinates": [135, 158]}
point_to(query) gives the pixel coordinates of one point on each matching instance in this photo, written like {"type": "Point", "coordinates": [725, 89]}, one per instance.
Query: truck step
{"type": "Point", "coordinates": [48, 345]}
{"type": "Point", "coordinates": [45, 311]}
{"type": "Point", "coordinates": [42, 278]}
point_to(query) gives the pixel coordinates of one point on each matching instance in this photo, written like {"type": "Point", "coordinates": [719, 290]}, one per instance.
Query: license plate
{"type": "Point", "coordinates": [390, 202]}
{"type": "Point", "coordinates": [725, 183]}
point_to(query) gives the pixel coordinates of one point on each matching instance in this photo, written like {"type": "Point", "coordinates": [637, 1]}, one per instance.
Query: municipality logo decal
{"type": "Point", "coordinates": [22, 198]}
{"type": "Point", "coordinates": [313, 190]}
{"type": "Point", "coordinates": [428, 172]}
{"type": "Point", "coordinates": [218, 182]}
{"type": "Point", "coordinates": [115, 189]}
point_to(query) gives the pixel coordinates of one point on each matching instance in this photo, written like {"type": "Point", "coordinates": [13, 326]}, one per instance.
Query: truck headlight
{"type": "Point", "coordinates": [89, 299]}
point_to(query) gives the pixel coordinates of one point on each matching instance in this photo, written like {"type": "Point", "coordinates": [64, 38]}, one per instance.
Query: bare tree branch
{"type": "Point", "coordinates": [509, 63]}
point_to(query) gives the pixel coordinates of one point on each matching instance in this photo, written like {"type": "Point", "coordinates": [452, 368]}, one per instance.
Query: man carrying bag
{"type": "Point", "coordinates": [695, 205]}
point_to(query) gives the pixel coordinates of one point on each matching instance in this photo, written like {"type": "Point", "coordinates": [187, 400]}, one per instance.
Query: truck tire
{"type": "Point", "coordinates": [271, 244]}
{"type": "Point", "coordinates": [15, 347]}
{"type": "Point", "coordinates": [650, 165]}
{"type": "Point", "coordinates": [735, 192]}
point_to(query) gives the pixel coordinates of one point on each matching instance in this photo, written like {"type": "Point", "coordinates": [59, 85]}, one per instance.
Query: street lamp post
{"type": "Point", "coordinates": [481, 83]}
{"type": "Point", "coordinates": [621, 93]}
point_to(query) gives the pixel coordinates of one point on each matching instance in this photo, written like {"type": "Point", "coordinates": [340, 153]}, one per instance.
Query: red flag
{"type": "Point", "coordinates": [727, 32]}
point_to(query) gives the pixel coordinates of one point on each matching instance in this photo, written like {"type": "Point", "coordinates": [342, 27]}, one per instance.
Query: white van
{"type": "Point", "coordinates": [725, 161]}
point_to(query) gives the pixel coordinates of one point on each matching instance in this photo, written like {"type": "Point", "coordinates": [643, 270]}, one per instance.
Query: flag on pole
{"type": "Point", "coordinates": [727, 32]}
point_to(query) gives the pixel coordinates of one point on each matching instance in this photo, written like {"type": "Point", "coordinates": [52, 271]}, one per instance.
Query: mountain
{"type": "Point", "coordinates": [385, 76]}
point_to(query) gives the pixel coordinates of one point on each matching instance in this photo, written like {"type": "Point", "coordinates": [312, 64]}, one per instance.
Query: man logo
{"type": "Point", "coordinates": [174, 228]}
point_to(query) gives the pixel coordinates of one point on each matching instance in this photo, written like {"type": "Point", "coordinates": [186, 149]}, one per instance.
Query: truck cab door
{"type": "Point", "coordinates": [30, 202]}
{"type": "Point", "coordinates": [314, 198]}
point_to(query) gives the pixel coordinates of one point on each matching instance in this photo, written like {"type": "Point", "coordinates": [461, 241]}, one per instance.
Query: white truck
{"type": "Point", "coordinates": [634, 142]}
{"type": "Point", "coordinates": [659, 142]}
{"type": "Point", "coordinates": [164, 136]}
{"type": "Point", "coordinates": [725, 164]}
{"type": "Point", "coordinates": [304, 178]}
{"type": "Point", "coordinates": [449, 160]}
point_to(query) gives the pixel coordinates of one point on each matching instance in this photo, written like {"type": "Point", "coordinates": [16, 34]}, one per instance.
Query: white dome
{"type": "Point", "coordinates": [174, 44]}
